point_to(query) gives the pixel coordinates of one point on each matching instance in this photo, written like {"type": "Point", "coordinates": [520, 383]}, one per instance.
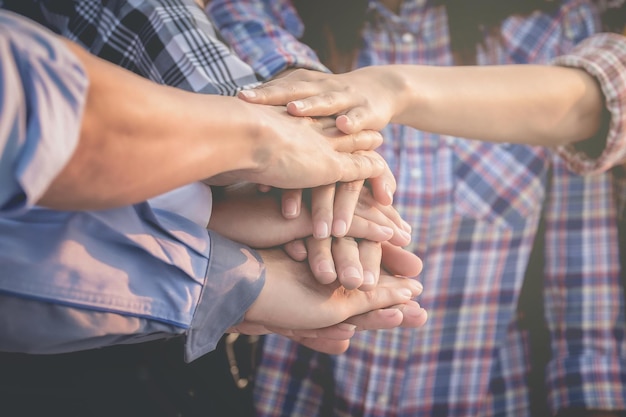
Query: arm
{"type": "Point", "coordinates": [552, 106]}
{"type": "Point", "coordinates": [473, 102]}
{"type": "Point", "coordinates": [119, 138]}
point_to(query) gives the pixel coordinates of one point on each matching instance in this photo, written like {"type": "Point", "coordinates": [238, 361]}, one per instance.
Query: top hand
{"type": "Point", "coordinates": [301, 152]}
{"type": "Point", "coordinates": [360, 102]}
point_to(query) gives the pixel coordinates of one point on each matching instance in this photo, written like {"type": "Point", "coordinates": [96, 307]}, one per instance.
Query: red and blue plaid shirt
{"type": "Point", "coordinates": [475, 209]}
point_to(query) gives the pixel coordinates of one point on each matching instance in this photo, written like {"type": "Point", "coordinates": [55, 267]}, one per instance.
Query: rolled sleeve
{"type": "Point", "coordinates": [603, 56]}
{"type": "Point", "coordinates": [42, 94]}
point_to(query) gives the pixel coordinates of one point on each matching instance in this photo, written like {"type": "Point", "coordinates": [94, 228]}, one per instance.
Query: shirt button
{"type": "Point", "coordinates": [416, 173]}
{"type": "Point", "coordinates": [407, 37]}
{"type": "Point", "coordinates": [382, 399]}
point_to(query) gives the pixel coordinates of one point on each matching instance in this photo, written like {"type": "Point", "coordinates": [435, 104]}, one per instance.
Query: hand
{"type": "Point", "coordinates": [359, 102]}
{"type": "Point", "coordinates": [336, 339]}
{"type": "Point", "coordinates": [335, 204]}
{"type": "Point", "coordinates": [253, 218]}
{"type": "Point", "coordinates": [293, 299]}
{"type": "Point", "coordinates": [301, 152]}
{"type": "Point", "coordinates": [357, 264]}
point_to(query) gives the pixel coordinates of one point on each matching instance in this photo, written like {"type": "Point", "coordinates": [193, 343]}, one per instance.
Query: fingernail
{"type": "Point", "coordinates": [351, 272]}
{"type": "Point", "coordinates": [406, 227]}
{"type": "Point", "coordinates": [248, 93]}
{"type": "Point", "coordinates": [299, 105]}
{"type": "Point", "coordinates": [389, 192]}
{"type": "Point", "coordinates": [386, 230]}
{"type": "Point", "coordinates": [347, 326]}
{"type": "Point", "coordinates": [290, 207]}
{"type": "Point", "coordinates": [340, 227]}
{"type": "Point", "coordinates": [390, 312]}
{"type": "Point", "coordinates": [406, 293]}
{"type": "Point", "coordinates": [414, 312]}
{"type": "Point", "coordinates": [418, 286]}
{"type": "Point", "coordinates": [326, 267]}
{"type": "Point", "coordinates": [321, 230]}
{"type": "Point", "coordinates": [406, 236]}
{"type": "Point", "coordinates": [368, 278]}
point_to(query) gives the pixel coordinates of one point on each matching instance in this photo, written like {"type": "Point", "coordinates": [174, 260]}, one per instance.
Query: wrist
{"type": "Point", "coordinates": [404, 93]}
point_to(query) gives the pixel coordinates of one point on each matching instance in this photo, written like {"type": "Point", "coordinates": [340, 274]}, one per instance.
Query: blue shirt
{"type": "Point", "coordinates": [77, 280]}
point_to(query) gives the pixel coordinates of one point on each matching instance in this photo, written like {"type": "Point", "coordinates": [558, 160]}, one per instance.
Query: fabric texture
{"type": "Point", "coordinates": [124, 275]}
{"type": "Point", "coordinates": [474, 208]}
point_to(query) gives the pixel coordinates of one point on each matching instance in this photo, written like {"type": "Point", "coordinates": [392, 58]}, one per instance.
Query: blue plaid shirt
{"type": "Point", "coordinates": [475, 208]}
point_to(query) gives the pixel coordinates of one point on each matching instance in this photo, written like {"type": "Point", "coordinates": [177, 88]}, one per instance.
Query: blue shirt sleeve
{"type": "Point", "coordinates": [42, 93]}
{"type": "Point", "coordinates": [82, 280]}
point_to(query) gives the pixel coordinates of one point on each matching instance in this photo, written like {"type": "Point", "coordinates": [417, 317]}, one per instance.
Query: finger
{"type": "Point", "coordinates": [296, 249]}
{"type": "Point", "coordinates": [369, 230]}
{"type": "Point", "coordinates": [340, 331]}
{"type": "Point", "coordinates": [245, 327]}
{"type": "Point", "coordinates": [322, 201]}
{"type": "Point", "coordinates": [408, 315]}
{"type": "Point", "coordinates": [291, 203]}
{"type": "Point", "coordinates": [328, 346]}
{"type": "Point", "coordinates": [321, 259]}
{"type": "Point", "coordinates": [365, 140]}
{"type": "Point", "coordinates": [345, 252]}
{"type": "Point", "coordinates": [385, 318]}
{"type": "Point", "coordinates": [384, 216]}
{"type": "Point", "coordinates": [357, 118]}
{"type": "Point", "coordinates": [296, 85]}
{"type": "Point", "coordinates": [359, 165]}
{"type": "Point", "coordinates": [399, 261]}
{"type": "Point", "coordinates": [322, 104]}
{"type": "Point", "coordinates": [346, 199]}
{"type": "Point", "coordinates": [413, 315]}
{"type": "Point", "coordinates": [383, 187]}
{"type": "Point", "coordinates": [370, 254]}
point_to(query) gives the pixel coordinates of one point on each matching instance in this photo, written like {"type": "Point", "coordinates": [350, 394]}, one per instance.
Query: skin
{"type": "Point", "coordinates": [325, 316]}
{"type": "Point", "coordinates": [525, 104]}
{"type": "Point", "coordinates": [181, 133]}
{"type": "Point", "coordinates": [244, 215]}
{"type": "Point", "coordinates": [120, 139]}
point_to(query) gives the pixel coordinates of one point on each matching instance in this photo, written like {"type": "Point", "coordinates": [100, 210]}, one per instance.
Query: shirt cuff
{"type": "Point", "coordinates": [588, 382]}
{"type": "Point", "coordinates": [603, 56]}
{"type": "Point", "coordinates": [234, 279]}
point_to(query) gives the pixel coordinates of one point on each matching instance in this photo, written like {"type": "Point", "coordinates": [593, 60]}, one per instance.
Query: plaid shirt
{"type": "Point", "coordinates": [169, 42]}
{"type": "Point", "coordinates": [475, 209]}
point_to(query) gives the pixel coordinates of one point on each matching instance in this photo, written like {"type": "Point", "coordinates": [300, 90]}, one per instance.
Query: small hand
{"type": "Point", "coordinates": [359, 102]}
{"type": "Point", "coordinates": [357, 264]}
{"type": "Point", "coordinates": [293, 299]}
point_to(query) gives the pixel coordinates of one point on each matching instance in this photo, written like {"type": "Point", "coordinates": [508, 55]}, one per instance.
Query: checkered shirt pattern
{"type": "Point", "coordinates": [169, 42]}
{"type": "Point", "coordinates": [475, 209]}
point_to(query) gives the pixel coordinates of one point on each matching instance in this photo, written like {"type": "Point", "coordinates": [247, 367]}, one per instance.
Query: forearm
{"type": "Point", "coordinates": [156, 139]}
{"type": "Point", "coordinates": [530, 104]}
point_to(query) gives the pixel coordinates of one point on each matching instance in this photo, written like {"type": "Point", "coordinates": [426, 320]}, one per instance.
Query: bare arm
{"type": "Point", "coordinates": [139, 139]}
{"type": "Point", "coordinates": [531, 104]}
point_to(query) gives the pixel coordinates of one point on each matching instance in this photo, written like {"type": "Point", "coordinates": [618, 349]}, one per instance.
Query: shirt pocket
{"type": "Point", "coordinates": [497, 183]}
